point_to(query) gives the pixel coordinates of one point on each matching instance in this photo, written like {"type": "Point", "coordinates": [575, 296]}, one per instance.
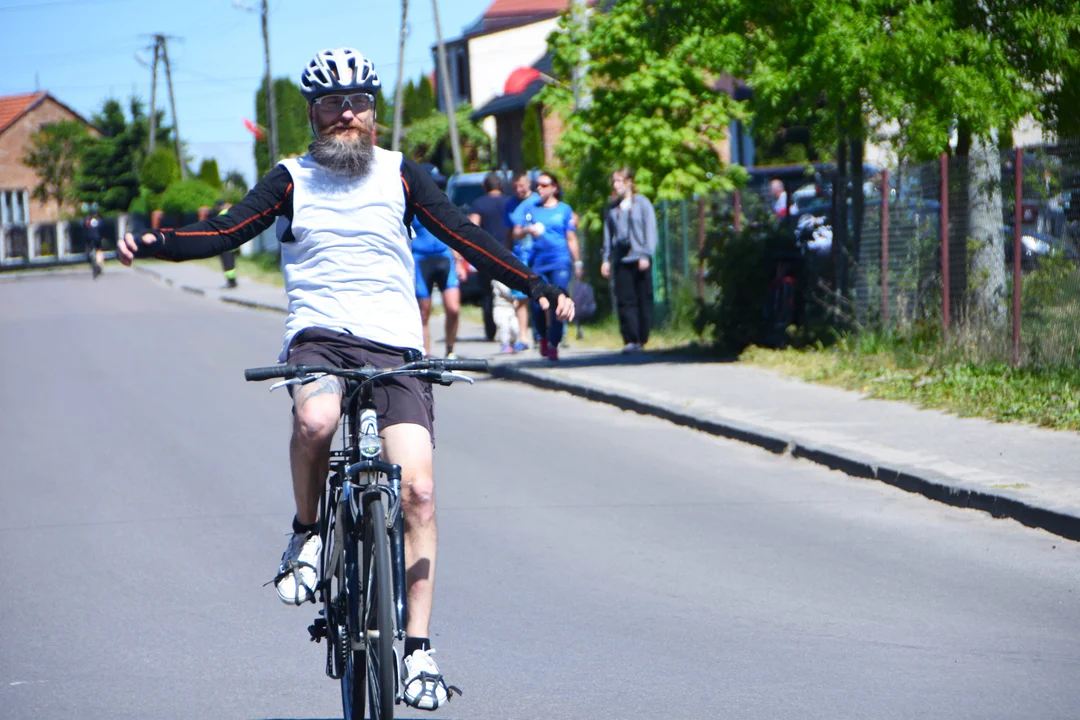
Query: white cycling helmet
{"type": "Point", "coordinates": [338, 70]}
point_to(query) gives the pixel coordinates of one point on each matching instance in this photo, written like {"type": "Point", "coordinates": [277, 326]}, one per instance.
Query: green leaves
{"type": "Point", "coordinates": [55, 152]}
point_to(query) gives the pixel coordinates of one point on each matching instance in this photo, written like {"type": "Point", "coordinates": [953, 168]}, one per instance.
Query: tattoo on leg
{"type": "Point", "coordinates": [323, 386]}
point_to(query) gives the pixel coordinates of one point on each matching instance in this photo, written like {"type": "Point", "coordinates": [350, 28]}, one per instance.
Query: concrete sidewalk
{"type": "Point", "coordinates": [1016, 471]}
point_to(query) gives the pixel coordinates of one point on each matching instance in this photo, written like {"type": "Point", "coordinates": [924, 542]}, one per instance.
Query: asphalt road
{"type": "Point", "coordinates": [593, 563]}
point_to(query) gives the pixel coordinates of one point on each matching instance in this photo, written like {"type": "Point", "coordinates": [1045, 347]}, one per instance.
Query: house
{"type": "Point", "coordinates": [510, 38]}
{"type": "Point", "coordinates": [501, 62]}
{"type": "Point", "coordinates": [20, 117]}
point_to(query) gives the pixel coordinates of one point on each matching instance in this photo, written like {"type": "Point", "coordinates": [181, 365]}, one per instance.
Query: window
{"type": "Point", "coordinates": [14, 207]}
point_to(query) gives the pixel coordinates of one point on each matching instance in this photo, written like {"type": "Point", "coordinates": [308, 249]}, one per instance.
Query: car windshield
{"type": "Point", "coordinates": [463, 195]}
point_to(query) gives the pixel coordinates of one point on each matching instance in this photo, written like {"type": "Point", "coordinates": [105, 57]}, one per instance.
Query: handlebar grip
{"type": "Point", "coordinates": [268, 373]}
{"type": "Point", "coordinates": [468, 365]}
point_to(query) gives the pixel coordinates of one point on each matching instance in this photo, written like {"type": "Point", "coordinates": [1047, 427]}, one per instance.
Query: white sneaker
{"type": "Point", "coordinates": [631, 348]}
{"type": "Point", "coordinates": [301, 558]}
{"type": "Point", "coordinates": [424, 685]}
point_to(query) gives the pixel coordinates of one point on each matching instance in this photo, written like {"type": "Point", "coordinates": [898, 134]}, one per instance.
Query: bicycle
{"type": "Point", "coordinates": [362, 566]}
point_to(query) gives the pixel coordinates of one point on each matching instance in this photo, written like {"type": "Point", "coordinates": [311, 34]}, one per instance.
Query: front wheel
{"type": "Point", "coordinates": [343, 617]}
{"type": "Point", "coordinates": [377, 613]}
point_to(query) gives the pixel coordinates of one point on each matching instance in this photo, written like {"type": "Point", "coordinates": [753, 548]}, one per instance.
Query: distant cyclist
{"type": "Point", "coordinates": [349, 276]}
{"type": "Point", "coordinates": [93, 244]}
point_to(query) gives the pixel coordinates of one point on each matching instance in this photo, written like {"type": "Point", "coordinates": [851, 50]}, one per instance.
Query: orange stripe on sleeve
{"type": "Point", "coordinates": [231, 230]}
{"type": "Point", "coordinates": [479, 249]}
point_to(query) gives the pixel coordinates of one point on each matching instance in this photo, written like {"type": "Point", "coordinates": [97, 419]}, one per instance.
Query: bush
{"type": "Point", "coordinates": [209, 174]}
{"type": "Point", "coordinates": [159, 171]}
{"type": "Point", "coordinates": [740, 266]}
{"type": "Point", "coordinates": [186, 197]}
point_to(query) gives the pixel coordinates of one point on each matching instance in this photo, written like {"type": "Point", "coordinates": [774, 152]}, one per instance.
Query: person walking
{"type": "Point", "coordinates": [349, 277]}
{"type": "Point", "coordinates": [228, 258]}
{"type": "Point", "coordinates": [555, 253]}
{"type": "Point", "coordinates": [523, 193]}
{"type": "Point", "coordinates": [629, 245]}
{"type": "Point", "coordinates": [437, 266]}
{"type": "Point", "coordinates": [93, 244]}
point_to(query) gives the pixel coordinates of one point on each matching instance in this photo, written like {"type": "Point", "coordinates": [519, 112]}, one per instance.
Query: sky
{"type": "Point", "coordinates": [84, 51]}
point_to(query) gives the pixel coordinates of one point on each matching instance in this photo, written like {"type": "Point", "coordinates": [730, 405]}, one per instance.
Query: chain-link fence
{"type": "Point", "coordinates": [927, 247]}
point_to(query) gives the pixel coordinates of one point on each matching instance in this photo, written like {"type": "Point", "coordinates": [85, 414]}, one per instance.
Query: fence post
{"type": "Point", "coordinates": [31, 239]}
{"type": "Point", "coordinates": [3, 244]}
{"type": "Point", "coordinates": [701, 247]}
{"type": "Point", "coordinates": [945, 243]}
{"type": "Point", "coordinates": [738, 210]}
{"type": "Point", "coordinates": [885, 249]}
{"type": "Point", "coordinates": [1017, 255]}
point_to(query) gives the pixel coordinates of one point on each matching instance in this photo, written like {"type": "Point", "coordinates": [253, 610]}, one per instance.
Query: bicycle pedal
{"type": "Point", "coordinates": [317, 629]}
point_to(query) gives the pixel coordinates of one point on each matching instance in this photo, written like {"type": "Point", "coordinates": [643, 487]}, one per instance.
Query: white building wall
{"type": "Point", "coordinates": [493, 57]}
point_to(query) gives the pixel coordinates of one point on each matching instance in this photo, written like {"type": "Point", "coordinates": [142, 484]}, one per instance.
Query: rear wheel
{"type": "Point", "coordinates": [378, 617]}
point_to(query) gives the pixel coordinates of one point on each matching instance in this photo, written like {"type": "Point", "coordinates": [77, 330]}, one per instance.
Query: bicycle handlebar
{"type": "Point", "coordinates": [365, 373]}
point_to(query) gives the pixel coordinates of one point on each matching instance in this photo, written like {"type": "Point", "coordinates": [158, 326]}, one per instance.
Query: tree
{"type": "Point", "coordinates": [293, 129]}
{"type": "Point", "coordinates": [55, 152]}
{"type": "Point", "coordinates": [159, 171]}
{"type": "Point", "coordinates": [532, 142]}
{"type": "Point", "coordinates": [208, 173]}
{"type": "Point", "coordinates": [109, 171]}
{"type": "Point", "coordinates": [185, 197]}
{"type": "Point", "coordinates": [428, 140]}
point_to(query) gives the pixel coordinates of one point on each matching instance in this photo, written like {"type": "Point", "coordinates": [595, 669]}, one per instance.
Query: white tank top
{"type": "Point", "coordinates": [349, 267]}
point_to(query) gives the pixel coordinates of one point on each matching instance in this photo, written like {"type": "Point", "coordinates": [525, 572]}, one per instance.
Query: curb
{"type": "Point", "coordinates": [930, 485]}
{"type": "Point", "coordinates": [254, 304]}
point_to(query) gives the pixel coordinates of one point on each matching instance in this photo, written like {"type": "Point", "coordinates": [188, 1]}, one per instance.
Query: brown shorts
{"type": "Point", "coordinates": [397, 400]}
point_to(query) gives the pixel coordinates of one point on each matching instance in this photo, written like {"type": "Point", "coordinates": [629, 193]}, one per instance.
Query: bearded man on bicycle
{"type": "Point", "coordinates": [349, 277]}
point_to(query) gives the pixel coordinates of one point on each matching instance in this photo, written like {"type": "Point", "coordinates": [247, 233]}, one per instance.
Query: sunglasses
{"type": "Point", "coordinates": [358, 102]}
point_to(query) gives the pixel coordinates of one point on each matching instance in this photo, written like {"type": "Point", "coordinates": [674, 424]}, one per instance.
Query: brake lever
{"type": "Point", "coordinates": [447, 377]}
{"type": "Point", "coordinates": [293, 381]}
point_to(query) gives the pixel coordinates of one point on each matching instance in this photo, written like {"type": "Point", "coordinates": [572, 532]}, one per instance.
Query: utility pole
{"type": "Point", "coordinates": [271, 106]}
{"type": "Point", "coordinates": [172, 104]}
{"type": "Point", "coordinates": [398, 109]}
{"type": "Point", "coordinates": [153, 97]}
{"type": "Point", "coordinates": [448, 96]}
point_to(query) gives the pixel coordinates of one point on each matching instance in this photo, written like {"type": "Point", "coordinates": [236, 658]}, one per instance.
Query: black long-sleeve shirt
{"type": "Point", "coordinates": [273, 197]}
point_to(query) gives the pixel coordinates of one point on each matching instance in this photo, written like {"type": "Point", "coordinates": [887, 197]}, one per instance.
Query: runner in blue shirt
{"type": "Point", "coordinates": [435, 266]}
{"type": "Point", "coordinates": [555, 253]}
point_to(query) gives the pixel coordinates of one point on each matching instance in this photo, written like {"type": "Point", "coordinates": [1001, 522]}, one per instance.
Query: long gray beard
{"type": "Point", "coordinates": [348, 157]}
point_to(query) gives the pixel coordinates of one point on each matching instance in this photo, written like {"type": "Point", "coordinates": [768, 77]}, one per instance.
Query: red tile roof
{"type": "Point", "coordinates": [517, 8]}
{"type": "Point", "coordinates": [12, 107]}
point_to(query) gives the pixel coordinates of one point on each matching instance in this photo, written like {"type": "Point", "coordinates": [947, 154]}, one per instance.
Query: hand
{"type": "Point", "coordinates": [564, 311]}
{"type": "Point", "coordinates": [605, 270]}
{"type": "Point", "coordinates": [128, 247]}
{"type": "Point", "coordinates": [461, 270]}
{"type": "Point", "coordinates": [643, 264]}
{"type": "Point", "coordinates": [536, 229]}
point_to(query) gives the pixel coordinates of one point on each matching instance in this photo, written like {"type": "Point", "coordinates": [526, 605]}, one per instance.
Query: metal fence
{"type": "Point", "coordinates": [933, 246]}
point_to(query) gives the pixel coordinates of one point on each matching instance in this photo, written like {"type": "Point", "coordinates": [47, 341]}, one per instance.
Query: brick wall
{"type": "Point", "coordinates": [552, 127]}
{"type": "Point", "coordinates": [14, 143]}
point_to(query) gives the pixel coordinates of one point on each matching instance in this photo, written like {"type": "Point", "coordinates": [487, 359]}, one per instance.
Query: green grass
{"type": "Point", "coordinates": [919, 372]}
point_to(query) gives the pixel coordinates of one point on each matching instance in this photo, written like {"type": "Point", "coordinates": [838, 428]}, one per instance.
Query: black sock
{"type": "Point", "coordinates": [299, 528]}
{"type": "Point", "coordinates": [412, 644]}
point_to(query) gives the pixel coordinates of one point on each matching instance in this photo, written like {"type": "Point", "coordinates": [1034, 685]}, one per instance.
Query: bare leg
{"type": "Point", "coordinates": [521, 309]}
{"type": "Point", "coordinates": [425, 315]}
{"type": "Point", "coordinates": [317, 411]}
{"type": "Point", "coordinates": [452, 306]}
{"type": "Point", "coordinates": [409, 446]}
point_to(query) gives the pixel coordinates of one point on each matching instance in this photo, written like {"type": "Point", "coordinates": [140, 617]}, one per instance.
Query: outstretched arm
{"type": "Point", "coordinates": [271, 197]}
